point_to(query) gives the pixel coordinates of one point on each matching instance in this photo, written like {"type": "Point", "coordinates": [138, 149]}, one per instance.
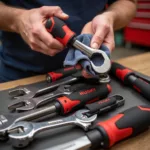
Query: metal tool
{"type": "Point", "coordinates": [123, 125]}
{"type": "Point", "coordinates": [131, 79]}
{"type": "Point", "coordinates": [28, 104]}
{"type": "Point", "coordinates": [25, 105]}
{"type": "Point", "coordinates": [27, 130]}
{"type": "Point", "coordinates": [67, 37]}
{"type": "Point", "coordinates": [61, 105]}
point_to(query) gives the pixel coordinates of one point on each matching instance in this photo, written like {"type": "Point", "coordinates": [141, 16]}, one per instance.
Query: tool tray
{"type": "Point", "coordinates": [63, 134]}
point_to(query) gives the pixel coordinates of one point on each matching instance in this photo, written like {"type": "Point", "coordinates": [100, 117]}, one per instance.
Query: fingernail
{"type": "Point", "coordinates": [95, 45]}
{"type": "Point", "coordinates": [64, 14]}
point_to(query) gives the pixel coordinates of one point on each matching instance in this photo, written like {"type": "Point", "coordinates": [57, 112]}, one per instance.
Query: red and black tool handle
{"type": "Point", "coordinates": [121, 72]}
{"type": "Point", "coordinates": [128, 77]}
{"type": "Point", "coordinates": [125, 124]}
{"type": "Point", "coordinates": [61, 73]}
{"type": "Point", "coordinates": [105, 105]}
{"type": "Point", "coordinates": [59, 30]}
{"type": "Point", "coordinates": [76, 100]}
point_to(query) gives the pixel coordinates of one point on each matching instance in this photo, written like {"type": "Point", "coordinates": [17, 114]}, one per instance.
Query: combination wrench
{"type": "Point", "coordinates": [25, 131]}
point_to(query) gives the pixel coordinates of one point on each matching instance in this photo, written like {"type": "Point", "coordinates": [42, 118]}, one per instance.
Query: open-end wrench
{"type": "Point", "coordinates": [27, 130]}
{"type": "Point", "coordinates": [30, 92]}
{"type": "Point", "coordinates": [62, 105]}
{"type": "Point", "coordinates": [29, 104]}
{"type": "Point", "coordinates": [63, 34]}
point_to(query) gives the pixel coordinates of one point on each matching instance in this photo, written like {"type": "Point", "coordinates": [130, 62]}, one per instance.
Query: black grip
{"type": "Point", "coordinates": [102, 104]}
{"type": "Point", "coordinates": [61, 73]}
{"type": "Point", "coordinates": [140, 86]}
{"type": "Point", "coordinates": [59, 30]}
{"type": "Point", "coordinates": [128, 123]}
{"type": "Point", "coordinates": [78, 99]}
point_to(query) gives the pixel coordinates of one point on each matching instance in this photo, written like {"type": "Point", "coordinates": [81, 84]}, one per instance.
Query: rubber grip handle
{"type": "Point", "coordinates": [59, 30]}
{"type": "Point", "coordinates": [128, 123]}
{"type": "Point", "coordinates": [95, 107]}
{"type": "Point", "coordinates": [120, 72]}
{"type": "Point", "coordinates": [88, 94]}
{"type": "Point", "coordinates": [61, 73]}
{"type": "Point", "coordinates": [140, 86]}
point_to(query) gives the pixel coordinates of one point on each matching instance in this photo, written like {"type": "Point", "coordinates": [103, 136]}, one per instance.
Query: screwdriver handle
{"type": "Point", "coordinates": [61, 73]}
{"type": "Point", "coordinates": [140, 86]}
{"type": "Point", "coordinates": [128, 123]}
{"type": "Point", "coordinates": [120, 72]}
{"type": "Point", "coordinates": [59, 30]}
{"type": "Point", "coordinates": [89, 94]}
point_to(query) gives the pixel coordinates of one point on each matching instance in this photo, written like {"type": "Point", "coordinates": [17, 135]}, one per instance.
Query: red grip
{"type": "Point", "coordinates": [128, 123]}
{"type": "Point", "coordinates": [63, 72]}
{"type": "Point", "coordinates": [59, 30]}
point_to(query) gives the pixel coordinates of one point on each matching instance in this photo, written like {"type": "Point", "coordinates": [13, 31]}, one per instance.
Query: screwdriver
{"type": "Point", "coordinates": [78, 99]}
{"type": "Point", "coordinates": [129, 77]}
{"type": "Point", "coordinates": [124, 125]}
{"type": "Point", "coordinates": [67, 37]}
{"type": "Point", "coordinates": [61, 73]}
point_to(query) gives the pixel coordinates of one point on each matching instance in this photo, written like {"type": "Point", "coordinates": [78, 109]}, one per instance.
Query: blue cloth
{"type": "Point", "coordinates": [75, 56]}
{"type": "Point", "coordinates": [19, 61]}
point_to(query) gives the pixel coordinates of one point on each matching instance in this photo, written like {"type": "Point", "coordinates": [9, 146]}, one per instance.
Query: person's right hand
{"type": "Point", "coordinates": [31, 26]}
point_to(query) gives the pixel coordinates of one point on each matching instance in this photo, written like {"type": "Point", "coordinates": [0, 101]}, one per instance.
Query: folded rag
{"type": "Point", "coordinates": [75, 56]}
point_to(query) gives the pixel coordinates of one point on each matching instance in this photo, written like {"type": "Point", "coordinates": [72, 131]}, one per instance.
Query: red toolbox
{"type": "Point", "coordinates": [138, 30]}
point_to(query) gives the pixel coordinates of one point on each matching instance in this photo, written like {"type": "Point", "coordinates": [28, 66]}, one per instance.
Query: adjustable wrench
{"type": "Point", "coordinates": [62, 105]}
{"type": "Point", "coordinates": [27, 130]}
{"type": "Point", "coordinates": [63, 34]}
{"type": "Point", "coordinates": [28, 104]}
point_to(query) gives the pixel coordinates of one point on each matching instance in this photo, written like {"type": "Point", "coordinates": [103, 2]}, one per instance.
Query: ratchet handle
{"type": "Point", "coordinates": [128, 123]}
{"type": "Point", "coordinates": [59, 30]}
{"type": "Point", "coordinates": [120, 72]}
{"type": "Point", "coordinates": [61, 73]}
{"type": "Point", "coordinates": [140, 86]}
{"type": "Point", "coordinates": [78, 99]}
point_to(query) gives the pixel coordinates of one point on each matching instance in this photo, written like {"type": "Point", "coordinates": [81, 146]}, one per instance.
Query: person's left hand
{"type": "Point", "coordinates": [102, 29]}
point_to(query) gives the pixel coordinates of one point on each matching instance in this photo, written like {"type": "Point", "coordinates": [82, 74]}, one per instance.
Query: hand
{"type": "Point", "coordinates": [31, 26]}
{"type": "Point", "coordinates": [102, 29]}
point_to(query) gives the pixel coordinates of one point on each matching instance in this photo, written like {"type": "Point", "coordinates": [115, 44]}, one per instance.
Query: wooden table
{"type": "Point", "coordinates": [139, 63]}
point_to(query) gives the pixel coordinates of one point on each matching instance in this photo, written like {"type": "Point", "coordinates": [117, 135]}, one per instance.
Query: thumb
{"type": "Point", "coordinates": [98, 38]}
{"type": "Point", "coordinates": [49, 11]}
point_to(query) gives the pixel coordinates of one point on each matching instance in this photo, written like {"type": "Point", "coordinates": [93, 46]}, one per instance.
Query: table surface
{"type": "Point", "coordinates": [140, 63]}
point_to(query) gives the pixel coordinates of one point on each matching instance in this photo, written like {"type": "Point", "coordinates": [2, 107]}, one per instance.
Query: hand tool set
{"type": "Point", "coordinates": [131, 79]}
{"type": "Point", "coordinates": [78, 100]}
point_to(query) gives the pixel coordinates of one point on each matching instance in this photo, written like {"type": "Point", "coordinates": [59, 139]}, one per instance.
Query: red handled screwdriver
{"type": "Point", "coordinates": [130, 78]}
{"type": "Point", "coordinates": [124, 125]}
{"type": "Point", "coordinates": [61, 73]}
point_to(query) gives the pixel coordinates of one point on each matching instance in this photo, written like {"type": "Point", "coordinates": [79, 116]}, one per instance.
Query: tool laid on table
{"type": "Point", "coordinates": [130, 78]}
{"type": "Point", "coordinates": [63, 34]}
{"type": "Point", "coordinates": [62, 105]}
{"type": "Point", "coordinates": [113, 130]}
{"type": "Point", "coordinates": [32, 103]}
{"type": "Point", "coordinates": [61, 73]}
{"type": "Point", "coordinates": [25, 131]}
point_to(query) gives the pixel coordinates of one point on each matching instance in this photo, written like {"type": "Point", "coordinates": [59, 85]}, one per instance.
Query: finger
{"type": "Point", "coordinates": [49, 11]}
{"type": "Point", "coordinates": [109, 41]}
{"type": "Point", "coordinates": [47, 38]}
{"type": "Point", "coordinates": [98, 37]}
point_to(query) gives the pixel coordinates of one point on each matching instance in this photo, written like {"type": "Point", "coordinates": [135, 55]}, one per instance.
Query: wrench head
{"type": "Point", "coordinates": [105, 67]}
{"type": "Point", "coordinates": [24, 134]}
{"type": "Point", "coordinates": [83, 120]}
